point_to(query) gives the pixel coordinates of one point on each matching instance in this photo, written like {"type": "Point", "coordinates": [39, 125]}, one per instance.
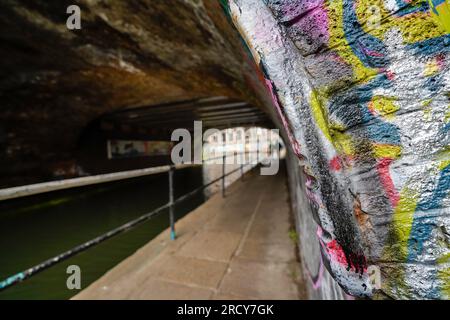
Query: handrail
{"type": "Point", "coordinates": [32, 189]}
{"type": "Point", "coordinates": [44, 187]}
{"type": "Point", "coordinates": [19, 277]}
{"type": "Point", "coordinates": [231, 152]}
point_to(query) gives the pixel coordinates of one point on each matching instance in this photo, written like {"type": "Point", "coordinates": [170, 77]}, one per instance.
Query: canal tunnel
{"type": "Point", "coordinates": [359, 92]}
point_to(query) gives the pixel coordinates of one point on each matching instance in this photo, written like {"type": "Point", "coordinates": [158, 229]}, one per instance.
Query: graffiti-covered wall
{"type": "Point", "coordinates": [363, 91]}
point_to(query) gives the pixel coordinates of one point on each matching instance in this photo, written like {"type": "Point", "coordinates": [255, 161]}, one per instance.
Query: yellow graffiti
{"type": "Point", "coordinates": [426, 105]}
{"type": "Point", "coordinates": [431, 68]}
{"type": "Point", "coordinates": [444, 164]}
{"type": "Point", "coordinates": [444, 276]}
{"type": "Point", "coordinates": [343, 143]}
{"type": "Point", "coordinates": [414, 27]}
{"type": "Point", "coordinates": [402, 221]}
{"type": "Point", "coordinates": [384, 106]}
{"type": "Point", "coordinates": [319, 114]}
{"type": "Point", "coordinates": [427, 102]}
{"type": "Point", "coordinates": [447, 115]}
{"type": "Point", "coordinates": [442, 17]}
{"type": "Point", "coordinates": [339, 44]}
{"type": "Point", "coordinates": [387, 151]}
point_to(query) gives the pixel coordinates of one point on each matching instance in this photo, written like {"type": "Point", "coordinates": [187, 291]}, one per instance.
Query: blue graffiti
{"type": "Point", "coordinates": [406, 8]}
{"type": "Point", "coordinates": [351, 108]}
{"type": "Point", "coordinates": [430, 47]}
{"type": "Point", "coordinates": [369, 49]}
{"type": "Point", "coordinates": [422, 227]}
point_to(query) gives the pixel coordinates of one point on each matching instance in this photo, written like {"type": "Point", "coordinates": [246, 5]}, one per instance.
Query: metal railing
{"type": "Point", "coordinates": [19, 277]}
{"type": "Point", "coordinates": [38, 188]}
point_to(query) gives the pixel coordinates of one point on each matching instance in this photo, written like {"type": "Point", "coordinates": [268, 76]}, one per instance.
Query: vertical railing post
{"type": "Point", "coordinates": [224, 159]}
{"type": "Point", "coordinates": [243, 158]}
{"type": "Point", "coordinates": [242, 166]}
{"type": "Point", "coordinates": [171, 205]}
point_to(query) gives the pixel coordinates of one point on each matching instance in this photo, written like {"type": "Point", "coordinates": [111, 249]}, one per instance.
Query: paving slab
{"type": "Point", "coordinates": [262, 280]}
{"type": "Point", "coordinates": [267, 251]}
{"type": "Point", "coordinates": [212, 245]}
{"type": "Point", "coordinates": [191, 271]}
{"type": "Point", "coordinates": [157, 289]}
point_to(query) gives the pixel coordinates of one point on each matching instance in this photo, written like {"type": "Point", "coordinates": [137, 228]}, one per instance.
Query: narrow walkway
{"type": "Point", "coordinates": [233, 248]}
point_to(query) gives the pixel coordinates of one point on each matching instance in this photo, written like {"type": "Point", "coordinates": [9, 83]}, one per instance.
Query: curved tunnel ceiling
{"type": "Point", "coordinates": [137, 64]}
{"type": "Point", "coordinates": [214, 112]}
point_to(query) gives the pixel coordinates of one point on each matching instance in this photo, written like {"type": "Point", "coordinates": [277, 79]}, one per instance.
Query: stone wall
{"type": "Point", "coordinates": [363, 91]}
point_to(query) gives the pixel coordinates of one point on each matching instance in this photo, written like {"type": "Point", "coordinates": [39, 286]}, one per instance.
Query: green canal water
{"type": "Point", "coordinates": [36, 228]}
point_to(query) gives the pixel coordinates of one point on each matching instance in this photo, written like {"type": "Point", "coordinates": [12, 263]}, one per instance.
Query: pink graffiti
{"type": "Point", "coordinates": [335, 163]}
{"type": "Point", "coordinates": [440, 59]}
{"type": "Point", "coordinates": [390, 75]}
{"type": "Point", "coordinates": [371, 52]}
{"type": "Point", "coordinates": [336, 254]}
{"type": "Point", "coordinates": [310, 13]}
{"type": "Point", "coordinates": [386, 180]}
